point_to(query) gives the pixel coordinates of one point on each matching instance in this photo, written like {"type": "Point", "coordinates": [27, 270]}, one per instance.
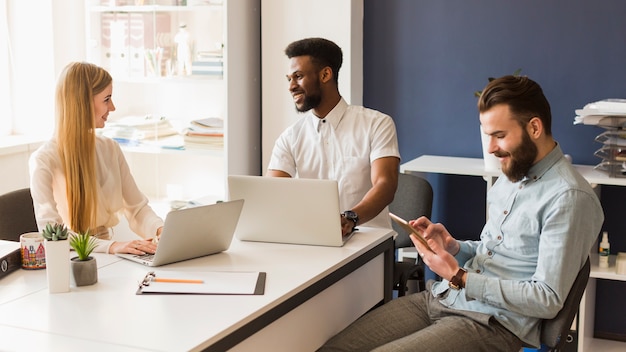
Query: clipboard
{"type": "Point", "coordinates": [204, 283]}
{"type": "Point", "coordinates": [408, 228]}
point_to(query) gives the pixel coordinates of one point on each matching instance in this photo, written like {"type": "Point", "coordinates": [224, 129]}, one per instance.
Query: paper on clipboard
{"type": "Point", "coordinates": [208, 283]}
{"type": "Point", "coordinates": [408, 228]}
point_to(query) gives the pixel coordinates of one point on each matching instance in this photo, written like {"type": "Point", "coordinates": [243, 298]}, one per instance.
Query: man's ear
{"type": "Point", "coordinates": [534, 127]}
{"type": "Point", "coordinates": [326, 74]}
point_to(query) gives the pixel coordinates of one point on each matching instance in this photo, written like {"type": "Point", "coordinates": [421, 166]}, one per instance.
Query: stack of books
{"type": "Point", "coordinates": [132, 130]}
{"type": "Point", "coordinates": [208, 64]}
{"type": "Point", "coordinates": [205, 133]}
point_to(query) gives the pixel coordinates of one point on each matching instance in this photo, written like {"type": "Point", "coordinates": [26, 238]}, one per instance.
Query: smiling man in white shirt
{"type": "Point", "coordinates": [354, 145]}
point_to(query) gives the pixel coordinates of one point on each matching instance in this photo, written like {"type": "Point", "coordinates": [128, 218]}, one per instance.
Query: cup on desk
{"type": "Point", "coordinates": [492, 163]}
{"type": "Point", "coordinates": [620, 263]}
{"type": "Point", "coordinates": [33, 251]}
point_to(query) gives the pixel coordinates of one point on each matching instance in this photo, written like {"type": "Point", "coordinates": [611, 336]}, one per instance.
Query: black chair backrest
{"type": "Point", "coordinates": [554, 331]}
{"type": "Point", "coordinates": [17, 215]}
{"type": "Point", "coordinates": [413, 198]}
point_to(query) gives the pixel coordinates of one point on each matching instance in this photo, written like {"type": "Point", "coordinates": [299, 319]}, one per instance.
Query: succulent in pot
{"type": "Point", "coordinates": [57, 264]}
{"type": "Point", "coordinates": [55, 232]}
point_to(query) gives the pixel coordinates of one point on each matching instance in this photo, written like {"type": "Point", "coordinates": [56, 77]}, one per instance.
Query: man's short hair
{"type": "Point", "coordinates": [323, 52]}
{"type": "Point", "coordinates": [524, 97]}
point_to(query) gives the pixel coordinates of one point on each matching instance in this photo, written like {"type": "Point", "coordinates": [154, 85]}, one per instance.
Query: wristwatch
{"type": "Point", "coordinates": [456, 282]}
{"type": "Point", "coordinates": [350, 215]}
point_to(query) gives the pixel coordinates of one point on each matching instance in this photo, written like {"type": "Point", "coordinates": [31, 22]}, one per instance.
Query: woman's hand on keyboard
{"type": "Point", "coordinates": [134, 247]}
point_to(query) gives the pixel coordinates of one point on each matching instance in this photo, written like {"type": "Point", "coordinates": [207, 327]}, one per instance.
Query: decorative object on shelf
{"type": "Point", "coordinates": [154, 61]}
{"type": "Point", "coordinates": [84, 267]}
{"type": "Point", "coordinates": [184, 51]}
{"type": "Point", "coordinates": [33, 251]}
{"type": "Point", "coordinates": [57, 261]}
{"type": "Point", "coordinates": [609, 114]}
{"type": "Point", "coordinates": [604, 251]}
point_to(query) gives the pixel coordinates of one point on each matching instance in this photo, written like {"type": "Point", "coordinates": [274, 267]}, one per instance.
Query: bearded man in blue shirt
{"type": "Point", "coordinates": [543, 220]}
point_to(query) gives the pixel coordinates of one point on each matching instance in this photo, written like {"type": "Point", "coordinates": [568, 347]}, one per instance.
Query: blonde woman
{"type": "Point", "coordinates": [81, 179]}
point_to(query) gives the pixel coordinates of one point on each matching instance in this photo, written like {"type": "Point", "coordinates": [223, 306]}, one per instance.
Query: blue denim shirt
{"type": "Point", "coordinates": [539, 234]}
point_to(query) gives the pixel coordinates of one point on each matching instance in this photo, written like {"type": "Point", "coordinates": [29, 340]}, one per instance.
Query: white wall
{"type": "Point", "coordinates": [68, 23]}
{"type": "Point", "coordinates": [284, 21]}
{"type": "Point", "coordinates": [14, 154]}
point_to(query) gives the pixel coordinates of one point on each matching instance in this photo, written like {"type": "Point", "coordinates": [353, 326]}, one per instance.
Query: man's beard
{"type": "Point", "coordinates": [312, 100]}
{"type": "Point", "coordinates": [522, 159]}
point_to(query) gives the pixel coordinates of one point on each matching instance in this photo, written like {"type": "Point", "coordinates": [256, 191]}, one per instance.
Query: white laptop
{"type": "Point", "coordinates": [194, 232]}
{"type": "Point", "coordinates": [288, 210]}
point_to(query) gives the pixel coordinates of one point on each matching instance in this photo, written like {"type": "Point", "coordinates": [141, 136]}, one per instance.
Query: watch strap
{"type": "Point", "coordinates": [456, 282]}
{"type": "Point", "coordinates": [352, 216]}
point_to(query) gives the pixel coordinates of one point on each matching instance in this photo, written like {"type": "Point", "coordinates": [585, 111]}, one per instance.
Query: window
{"type": "Point", "coordinates": [6, 110]}
{"type": "Point", "coordinates": [27, 63]}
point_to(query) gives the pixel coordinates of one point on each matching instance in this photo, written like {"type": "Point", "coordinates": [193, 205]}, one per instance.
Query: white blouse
{"type": "Point", "coordinates": [117, 192]}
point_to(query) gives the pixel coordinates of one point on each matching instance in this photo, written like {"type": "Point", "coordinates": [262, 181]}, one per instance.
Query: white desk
{"type": "Point", "coordinates": [311, 289]}
{"type": "Point", "coordinates": [475, 167]}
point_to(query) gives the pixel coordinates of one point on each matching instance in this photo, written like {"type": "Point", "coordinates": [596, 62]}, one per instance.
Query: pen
{"type": "Point", "coordinates": [180, 281]}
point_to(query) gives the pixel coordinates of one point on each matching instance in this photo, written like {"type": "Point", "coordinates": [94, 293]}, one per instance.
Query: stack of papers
{"type": "Point", "coordinates": [205, 133]}
{"type": "Point", "coordinates": [603, 113]}
{"type": "Point", "coordinates": [611, 115]}
{"type": "Point", "coordinates": [208, 283]}
{"type": "Point", "coordinates": [131, 130]}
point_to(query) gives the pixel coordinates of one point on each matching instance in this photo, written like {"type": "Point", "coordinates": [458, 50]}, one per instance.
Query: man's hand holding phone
{"type": "Point", "coordinates": [411, 230]}
{"type": "Point", "coordinates": [440, 259]}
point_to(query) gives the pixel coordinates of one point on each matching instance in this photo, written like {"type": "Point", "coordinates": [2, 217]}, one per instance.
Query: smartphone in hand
{"type": "Point", "coordinates": [405, 225]}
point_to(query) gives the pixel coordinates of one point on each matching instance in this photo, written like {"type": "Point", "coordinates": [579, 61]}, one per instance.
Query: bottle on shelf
{"type": "Point", "coordinates": [604, 251]}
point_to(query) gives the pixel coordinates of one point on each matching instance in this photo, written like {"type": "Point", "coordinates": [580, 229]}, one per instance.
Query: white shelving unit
{"type": "Point", "coordinates": [475, 167]}
{"type": "Point", "coordinates": [123, 36]}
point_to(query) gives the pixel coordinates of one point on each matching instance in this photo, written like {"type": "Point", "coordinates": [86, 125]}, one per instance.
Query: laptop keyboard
{"type": "Point", "coordinates": [147, 257]}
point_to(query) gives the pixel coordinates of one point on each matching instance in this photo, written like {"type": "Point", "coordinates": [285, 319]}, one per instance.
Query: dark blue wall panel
{"type": "Point", "coordinates": [423, 60]}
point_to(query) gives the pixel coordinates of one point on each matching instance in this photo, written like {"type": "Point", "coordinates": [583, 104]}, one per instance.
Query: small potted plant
{"type": "Point", "coordinates": [84, 267]}
{"type": "Point", "coordinates": [57, 261]}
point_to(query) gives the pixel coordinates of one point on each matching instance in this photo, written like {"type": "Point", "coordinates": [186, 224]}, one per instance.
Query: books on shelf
{"type": "Point", "coordinates": [208, 63]}
{"type": "Point", "coordinates": [137, 131]}
{"type": "Point", "coordinates": [205, 133]}
{"type": "Point", "coordinates": [204, 142]}
{"type": "Point", "coordinates": [131, 130]}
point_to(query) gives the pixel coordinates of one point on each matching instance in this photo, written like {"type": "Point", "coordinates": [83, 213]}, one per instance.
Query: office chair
{"type": "Point", "coordinates": [413, 198]}
{"type": "Point", "coordinates": [17, 215]}
{"type": "Point", "coordinates": [554, 331]}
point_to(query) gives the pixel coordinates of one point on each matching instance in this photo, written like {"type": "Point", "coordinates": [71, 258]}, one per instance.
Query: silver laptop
{"type": "Point", "coordinates": [288, 210]}
{"type": "Point", "coordinates": [194, 232]}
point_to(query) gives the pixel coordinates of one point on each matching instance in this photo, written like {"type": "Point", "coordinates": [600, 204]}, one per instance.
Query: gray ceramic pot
{"type": "Point", "coordinates": [84, 272]}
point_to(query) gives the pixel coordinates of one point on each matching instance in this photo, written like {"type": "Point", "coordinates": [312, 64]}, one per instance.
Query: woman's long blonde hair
{"type": "Point", "coordinates": [76, 138]}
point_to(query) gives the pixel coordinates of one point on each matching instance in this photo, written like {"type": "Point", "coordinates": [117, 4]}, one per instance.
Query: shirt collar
{"type": "Point", "coordinates": [540, 168]}
{"type": "Point", "coordinates": [333, 117]}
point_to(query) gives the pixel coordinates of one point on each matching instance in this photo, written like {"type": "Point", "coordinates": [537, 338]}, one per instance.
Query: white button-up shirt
{"type": "Point", "coordinates": [339, 147]}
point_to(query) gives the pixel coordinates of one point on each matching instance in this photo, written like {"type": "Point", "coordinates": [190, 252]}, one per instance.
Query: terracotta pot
{"type": "Point", "coordinates": [84, 272]}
